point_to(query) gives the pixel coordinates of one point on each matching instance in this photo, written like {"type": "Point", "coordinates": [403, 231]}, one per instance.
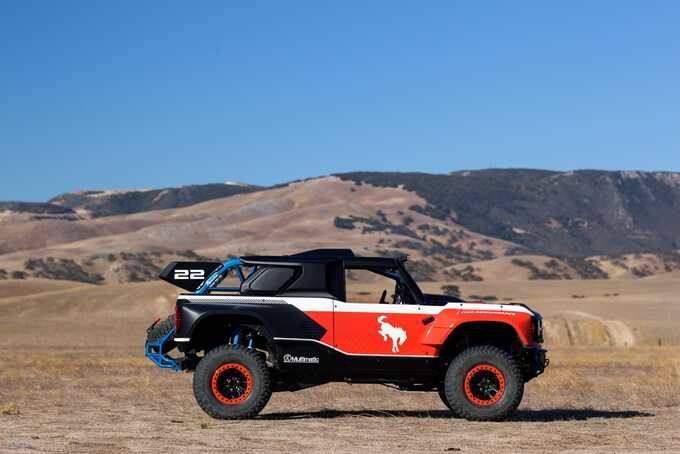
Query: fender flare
{"type": "Point", "coordinates": [479, 323]}
{"type": "Point", "coordinates": [247, 320]}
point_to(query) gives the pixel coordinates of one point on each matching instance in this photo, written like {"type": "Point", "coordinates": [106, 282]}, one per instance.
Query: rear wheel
{"type": "Point", "coordinates": [232, 382]}
{"type": "Point", "coordinates": [484, 384]}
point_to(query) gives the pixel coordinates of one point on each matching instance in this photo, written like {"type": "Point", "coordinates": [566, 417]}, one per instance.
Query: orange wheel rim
{"type": "Point", "coordinates": [232, 383]}
{"type": "Point", "coordinates": [484, 385]}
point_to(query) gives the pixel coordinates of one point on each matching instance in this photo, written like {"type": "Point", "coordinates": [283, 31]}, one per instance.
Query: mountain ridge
{"type": "Point", "coordinates": [581, 213]}
{"type": "Point", "coordinates": [578, 213]}
{"type": "Point", "coordinates": [103, 202]}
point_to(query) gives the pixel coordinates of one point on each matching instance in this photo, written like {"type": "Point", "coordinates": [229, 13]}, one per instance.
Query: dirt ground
{"type": "Point", "coordinates": [77, 381]}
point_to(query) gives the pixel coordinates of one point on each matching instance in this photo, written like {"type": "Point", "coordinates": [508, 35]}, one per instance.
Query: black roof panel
{"type": "Point", "coordinates": [313, 256]}
{"type": "Point", "coordinates": [337, 253]}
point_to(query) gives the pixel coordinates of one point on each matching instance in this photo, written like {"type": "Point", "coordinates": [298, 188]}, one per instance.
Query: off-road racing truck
{"type": "Point", "coordinates": [288, 324]}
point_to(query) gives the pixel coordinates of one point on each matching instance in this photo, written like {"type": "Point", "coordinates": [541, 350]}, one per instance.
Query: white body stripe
{"type": "Point", "coordinates": [341, 306]}
{"type": "Point", "coordinates": [307, 304]}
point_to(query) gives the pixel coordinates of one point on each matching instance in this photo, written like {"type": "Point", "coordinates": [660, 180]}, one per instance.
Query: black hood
{"type": "Point", "coordinates": [441, 300]}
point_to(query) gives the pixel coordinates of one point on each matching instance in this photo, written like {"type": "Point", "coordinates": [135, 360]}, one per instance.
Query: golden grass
{"type": "Point", "coordinates": [608, 378]}
{"type": "Point", "coordinates": [10, 408]}
{"type": "Point", "coordinates": [88, 401]}
{"type": "Point", "coordinates": [611, 378]}
{"type": "Point", "coordinates": [72, 371]}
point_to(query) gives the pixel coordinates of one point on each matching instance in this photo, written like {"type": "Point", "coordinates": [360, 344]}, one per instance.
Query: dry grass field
{"type": "Point", "coordinates": [73, 379]}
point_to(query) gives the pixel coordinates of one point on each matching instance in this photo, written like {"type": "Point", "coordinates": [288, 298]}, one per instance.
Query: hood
{"type": "Point", "coordinates": [434, 299]}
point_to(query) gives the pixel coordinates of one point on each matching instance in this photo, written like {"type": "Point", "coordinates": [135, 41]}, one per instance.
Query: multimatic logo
{"type": "Point", "coordinates": [300, 359]}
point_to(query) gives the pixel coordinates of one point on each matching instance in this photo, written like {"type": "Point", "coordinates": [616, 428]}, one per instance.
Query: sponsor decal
{"type": "Point", "coordinates": [396, 333]}
{"type": "Point", "coordinates": [476, 312]}
{"type": "Point", "coordinates": [300, 359]}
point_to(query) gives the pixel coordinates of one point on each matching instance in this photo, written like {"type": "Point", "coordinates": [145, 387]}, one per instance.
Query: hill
{"type": "Point", "coordinates": [37, 210]}
{"type": "Point", "coordinates": [299, 216]}
{"type": "Point", "coordinates": [579, 213]}
{"type": "Point", "coordinates": [465, 226]}
{"type": "Point", "coordinates": [111, 203]}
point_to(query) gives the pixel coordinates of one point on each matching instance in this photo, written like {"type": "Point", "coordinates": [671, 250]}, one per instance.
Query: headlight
{"type": "Point", "coordinates": [537, 329]}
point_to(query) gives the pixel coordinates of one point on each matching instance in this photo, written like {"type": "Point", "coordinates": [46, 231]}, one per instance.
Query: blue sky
{"type": "Point", "coordinates": [152, 94]}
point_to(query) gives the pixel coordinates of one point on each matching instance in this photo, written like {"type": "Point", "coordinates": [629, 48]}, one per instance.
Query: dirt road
{"type": "Point", "coordinates": [130, 427]}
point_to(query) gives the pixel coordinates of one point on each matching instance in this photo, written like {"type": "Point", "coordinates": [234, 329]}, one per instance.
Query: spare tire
{"type": "Point", "coordinates": [161, 330]}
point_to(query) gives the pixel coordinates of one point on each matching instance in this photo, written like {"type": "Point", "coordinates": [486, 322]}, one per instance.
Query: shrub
{"type": "Point", "coordinates": [586, 269]}
{"type": "Point", "coordinates": [452, 290]}
{"type": "Point", "coordinates": [641, 271]}
{"type": "Point", "coordinates": [10, 409]}
{"type": "Point", "coordinates": [62, 269]}
{"type": "Point", "coordinates": [344, 223]}
{"type": "Point", "coordinates": [466, 274]}
{"type": "Point", "coordinates": [420, 270]}
{"type": "Point", "coordinates": [484, 298]}
{"type": "Point", "coordinates": [537, 273]}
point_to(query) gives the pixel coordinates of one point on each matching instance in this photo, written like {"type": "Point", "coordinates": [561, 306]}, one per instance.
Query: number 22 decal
{"type": "Point", "coordinates": [189, 274]}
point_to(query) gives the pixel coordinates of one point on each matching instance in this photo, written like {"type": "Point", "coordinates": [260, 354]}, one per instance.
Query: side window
{"type": "Point", "coordinates": [267, 280]}
{"type": "Point", "coordinates": [376, 285]}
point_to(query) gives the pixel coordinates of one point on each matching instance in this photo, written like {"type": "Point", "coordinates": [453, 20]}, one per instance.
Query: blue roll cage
{"type": "Point", "coordinates": [235, 264]}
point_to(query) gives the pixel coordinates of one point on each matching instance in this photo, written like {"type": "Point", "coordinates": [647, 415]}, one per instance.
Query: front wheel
{"type": "Point", "coordinates": [232, 382]}
{"type": "Point", "coordinates": [445, 400]}
{"type": "Point", "coordinates": [483, 384]}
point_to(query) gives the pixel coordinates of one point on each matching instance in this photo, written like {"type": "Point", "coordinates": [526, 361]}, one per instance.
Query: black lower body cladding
{"type": "Point", "coordinates": [275, 316]}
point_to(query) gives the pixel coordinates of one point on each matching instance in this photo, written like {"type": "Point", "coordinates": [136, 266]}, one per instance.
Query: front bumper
{"type": "Point", "coordinates": [534, 361]}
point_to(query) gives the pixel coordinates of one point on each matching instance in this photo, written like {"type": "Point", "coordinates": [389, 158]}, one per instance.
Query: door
{"type": "Point", "coordinates": [379, 316]}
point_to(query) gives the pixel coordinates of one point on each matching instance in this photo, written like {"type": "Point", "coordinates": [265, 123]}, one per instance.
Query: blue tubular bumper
{"type": "Point", "coordinates": [158, 357]}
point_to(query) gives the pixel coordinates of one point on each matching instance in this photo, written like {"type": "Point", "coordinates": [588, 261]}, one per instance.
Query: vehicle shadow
{"type": "Point", "coordinates": [548, 415]}
{"type": "Point", "coordinates": [558, 414]}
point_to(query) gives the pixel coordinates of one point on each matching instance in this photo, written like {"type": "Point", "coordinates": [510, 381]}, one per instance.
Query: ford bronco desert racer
{"type": "Point", "coordinates": [288, 324]}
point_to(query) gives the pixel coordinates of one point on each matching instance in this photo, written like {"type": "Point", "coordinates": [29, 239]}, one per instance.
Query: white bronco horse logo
{"type": "Point", "coordinates": [397, 334]}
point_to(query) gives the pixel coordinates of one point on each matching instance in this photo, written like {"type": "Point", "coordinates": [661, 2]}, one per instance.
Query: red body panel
{"type": "Point", "coordinates": [390, 330]}
{"type": "Point", "coordinates": [451, 319]}
{"type": "Point", "coordinates": [359, 333]}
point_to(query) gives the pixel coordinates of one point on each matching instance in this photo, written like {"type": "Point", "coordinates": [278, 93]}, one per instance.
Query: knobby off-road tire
{"type": "Point", "coordinates": [161, 330]}
{"type": "Point", "coordinates": [445, 401]}
{"type": "Point", "coordinates": [442, 396]}
{"type": "Point", "coordinates": [484, 384]}
{"type": "Point", "coordinates": [232, 382]}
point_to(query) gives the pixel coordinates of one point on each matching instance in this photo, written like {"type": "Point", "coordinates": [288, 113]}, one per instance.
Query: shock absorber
{"type": "Point", "coordinates": [238, 333]}
{"type": "Point", "coordinates": [240, 339]}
